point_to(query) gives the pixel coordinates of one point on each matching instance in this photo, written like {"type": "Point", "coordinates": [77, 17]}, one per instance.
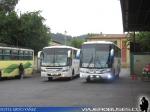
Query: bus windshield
{"type": "Point", "coordinates": [95, 56]}
{"type": "Point", "coordinates": [55, 57]}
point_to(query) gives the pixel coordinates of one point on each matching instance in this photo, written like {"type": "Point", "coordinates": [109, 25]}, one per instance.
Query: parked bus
{"type": "Point", "coordinates": [39, 61]}
{"type": "Point", "coordinates": [60, 62]}
{"type": "Point", "coordinates": [100, 60]}
{"type": "Point", "coordinates": [11, 58]}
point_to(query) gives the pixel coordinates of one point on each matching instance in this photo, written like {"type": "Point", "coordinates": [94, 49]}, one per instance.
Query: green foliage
{"type": "Point", "coordinates": [7, 5]}
{"type": "Point", "coordinates": [26, 30]}
{"type": "Point", "coordinates": [76, 42]}
{"type": "Point", "coordinates": [33, 33]}
{"type": "Point", "coordinates": [143, 38]}
{"type": "Point", "coordinates": [8, 27]}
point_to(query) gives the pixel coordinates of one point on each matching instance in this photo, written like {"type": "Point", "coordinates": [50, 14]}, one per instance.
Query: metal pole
{"type": "Point", "coordinates": [134, 41]}
{"type": "Point", "coordinates": [65, 37]}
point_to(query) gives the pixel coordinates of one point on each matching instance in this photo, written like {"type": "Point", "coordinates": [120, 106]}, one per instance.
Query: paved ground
{"type": "Point", "coordinates": [37, 92]}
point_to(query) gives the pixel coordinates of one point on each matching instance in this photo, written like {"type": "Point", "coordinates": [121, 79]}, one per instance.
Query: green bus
{"type": "Point", "coordinates": [11, 58]}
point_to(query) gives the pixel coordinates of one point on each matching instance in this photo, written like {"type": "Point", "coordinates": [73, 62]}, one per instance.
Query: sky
{"type": "Point", "coordinates": [77, 17]}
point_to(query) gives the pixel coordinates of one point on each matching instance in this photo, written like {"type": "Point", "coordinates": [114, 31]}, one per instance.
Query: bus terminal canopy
{"type": "Point", "coordinates": [136, 15]}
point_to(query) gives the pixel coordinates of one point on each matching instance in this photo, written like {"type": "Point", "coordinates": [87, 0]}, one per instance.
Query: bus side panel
{"type": "Point", "coordinates": [28, 68]}
{"type": "Point", "coordinates": [10, 68]}
{"type": "Point", "coordinates": [76, 66]}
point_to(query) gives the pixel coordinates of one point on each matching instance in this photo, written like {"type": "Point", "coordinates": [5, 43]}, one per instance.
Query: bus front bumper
{"type": "Point", "coordinates": [55, 75]}
{"type": "Point", "coordinates": [96, 76]}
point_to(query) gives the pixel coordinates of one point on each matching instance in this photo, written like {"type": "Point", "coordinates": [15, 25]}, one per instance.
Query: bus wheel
{"type": "Point", "coordinates": [18, 76]}
{"type": "Point", "coordinates": [88, 79]}
{"type": "Point", "coordinates": [50, 78]}
{"type": "Point", "coordinates": [72, 75]}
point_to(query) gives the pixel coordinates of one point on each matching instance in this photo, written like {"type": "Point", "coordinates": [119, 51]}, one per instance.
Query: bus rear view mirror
{"type": "Point", "coordinates": [78, 54]}
{"type": "Point", "coordinates": [69, 54]}
{"type": "Point", "coordinates": [112, 52]}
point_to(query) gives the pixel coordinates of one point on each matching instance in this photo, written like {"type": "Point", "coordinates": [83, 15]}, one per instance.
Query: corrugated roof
{"type": "Point", "coordinates": [135, 15]}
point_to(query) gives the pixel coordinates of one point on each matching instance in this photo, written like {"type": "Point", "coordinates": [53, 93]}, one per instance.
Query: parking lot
{"type": "Point", "coordinates": [36, 91]}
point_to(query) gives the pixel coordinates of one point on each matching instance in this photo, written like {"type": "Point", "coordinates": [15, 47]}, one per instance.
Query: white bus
{"type": "Point", "coordinates": [100, 60]}
{"type": "Point", "coordinates": [39, 61]}
{"type": "Point", "coordinates": [60, 62]}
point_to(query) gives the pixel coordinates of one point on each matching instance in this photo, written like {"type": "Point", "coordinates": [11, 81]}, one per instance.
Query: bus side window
{"type": "Point", "coordinates": [14, 54]}
{"type": "Point", "coordinates": [1, 54]}
{"type": "Point", "coordinates": [78, 54]}
{"type": "Point", "coordinates": [7, 54]}
{"type": "Point", "coordinates": [25, 57]}
{"type": "Point", "coordinates": [30, 55]}
{"type": "Point", "coordinates": [74, 54]}
{"type": "Point", "coordinates": [20, 55]}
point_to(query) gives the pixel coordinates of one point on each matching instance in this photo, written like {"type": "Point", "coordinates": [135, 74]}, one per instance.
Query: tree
{"type": "Point", "coordinates": [8, 6]}
{"type": "Point", "coordinates": [8, 27]}
{"type": "Point", "coordinates": [9, 21]}
{"type": "Point", "coordinates": [76, 42]}
{"type": "Point", "coordinates": [26, 30]}
{"type": "Point", "coordinates": [32, 32]}
{"type": "Point", "coordinates": [142, 38]}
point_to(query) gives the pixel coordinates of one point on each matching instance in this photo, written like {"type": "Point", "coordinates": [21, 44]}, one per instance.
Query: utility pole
{"type": "Point", "coordinates": [65, 37]}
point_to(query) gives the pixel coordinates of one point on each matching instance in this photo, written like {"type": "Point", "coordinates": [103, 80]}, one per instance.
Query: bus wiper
{"type": "Point", "coordinates": [90, 61]}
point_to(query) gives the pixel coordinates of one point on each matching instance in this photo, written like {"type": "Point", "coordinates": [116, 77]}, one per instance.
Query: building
{"type": "Point", "coordinates": [119, 40]}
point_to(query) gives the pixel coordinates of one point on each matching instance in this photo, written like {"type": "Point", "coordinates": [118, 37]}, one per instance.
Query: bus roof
{"type": "Point", "coordinates": [100, 42]}
{"type": "Point", "coordinates": [15, 48]}
{"type": "Point", "coordinates": [63, 46]}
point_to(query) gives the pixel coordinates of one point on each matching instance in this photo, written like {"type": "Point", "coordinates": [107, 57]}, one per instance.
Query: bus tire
{"type": "Point", "coordinates": [18, 76]}
{"type": "Point", "coordinates": [72, 75]}
{"type": "Point", "coordinates": [50, 78]}
{"type": "Point", "coordinates": [88, 79]}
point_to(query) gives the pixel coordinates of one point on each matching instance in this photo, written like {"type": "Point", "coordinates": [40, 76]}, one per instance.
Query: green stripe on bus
{"type": "Point", "coordinates": [27, 65]}
{"type": "Point", "coordinates": [10, 68]}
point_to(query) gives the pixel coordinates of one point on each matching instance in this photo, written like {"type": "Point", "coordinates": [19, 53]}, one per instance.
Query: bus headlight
{"type": "Point", "coordinates": [108, 75]}
{"type": "Point", "coordinates": [97, 76]}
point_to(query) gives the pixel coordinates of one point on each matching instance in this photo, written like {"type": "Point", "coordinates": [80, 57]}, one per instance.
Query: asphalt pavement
{"type": "Point", "coordinates": [36, 91]}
